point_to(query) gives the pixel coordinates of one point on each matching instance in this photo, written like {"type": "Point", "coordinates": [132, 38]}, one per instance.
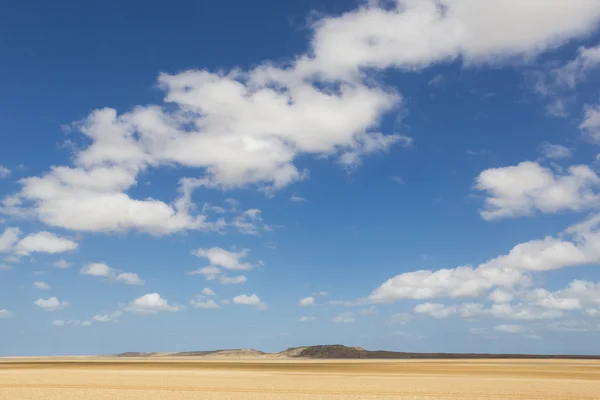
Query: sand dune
{"type": "Point", "coordinates": [174, 378]}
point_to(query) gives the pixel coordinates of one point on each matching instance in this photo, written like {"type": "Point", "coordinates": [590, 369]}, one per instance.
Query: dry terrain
{"type": "Point", "coordinates": [182, 378]}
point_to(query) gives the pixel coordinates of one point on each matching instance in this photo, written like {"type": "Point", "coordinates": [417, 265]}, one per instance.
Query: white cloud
{"type": "Point", "coordinates": [590, 126]}
{"type": "Point", "coordinates": [45, 242]}
{"type": "Point", "coordinates": [9, 238]}
{"type": "Point", "coordinates": [97, 269]}
{"type": "Point", "coordinates": [5, 267]}
{"type": "Point", "coordinates": [509, 328]}
{"type": "Point", "coordinates": [501, 296]}
{"type": "Point", "coordinates": [574, 72]}
{"type": "Point", "coordinates": [577, 246]}
{"type": "Point", "coordinates": [344, 318]}
{"type": "Point", "coordinates": [219, 257]}
{"type": "Point", "coordinates": [298, 199]}
{"type": "Point", "coordinates": [104, 271]}
{"type": "Point", "coordinates": [250, 222]}
{"type": "Point", "coordinates": [51, 304]}
{"type": "Point", "coordinates": [250, 300]}
{"type": "Point", "coordinates": [554, 151]}
{"type": "Point", "coordinates": [62, 264]}
{"type": "Point", "coordinates": [307, 319]}
{"type": "Point", "coordinates": [129, 278]}
{"type": "Point", "coordinates": [58, 322]}
{"type": "Point", "coordinates": [529, 187]}
{"type": "Point", "coordinates": [307, 301]}
{"type": "Point", "coordinates": [151, 304]}
{"type": "Point", "coordinates": [524, 312]}
{"type": "Point", "coordinates": [5, 314]}
{"type": "Point", "coordinates": [435, 310]}
{"type": "Point", "coordinates": [104, 318]}
{"type": "Point", "coordinates": [4, 172]}
{"type": "Point", "coordinates": [205, 304]}
{"type": "Point", "coordinates": [437, 80]}
{"type": "Point", "coordinates": [208, 292]}
{"type": "Point", "coordinates": [232, 280]}
{"type": "Point", "coordinates": [209, 272]}
{"type": "Point", "coordinates": [41, 285]}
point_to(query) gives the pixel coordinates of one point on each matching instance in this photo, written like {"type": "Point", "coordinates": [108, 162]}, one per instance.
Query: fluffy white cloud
{"type": "Point", "coordinates": [249, 300]}
{"type": "Point", "coordinates": [208, 292]}
{"type": "Point", "coordinates": [578, 245]}
{"type": "Point", "coordinates": [307, 319]}
{"type": "Point", "coordinates": [205, 304]}
{"type": "Point", "coordinates": [104, 318]}
{"type": "Point", "coordinates": [51, 304]}
{"type": "Point", "coordinates": [4, 172]}
{"type": "Point", "coordinates": [104, 271]}
{"type": "Point", "coordinates": [97, 269]}
{"type": "Point", "coordinates": [529, 187]}
{"type": "Point", "coordinates": [575, 71]}
{"type": "Point", "coordinates": [129, 278]}
{"type": "Point", "coordinates": [590, 126]}
{"type": "Point", "coordinates": [509, 328]}
{"type": "Point", "coordinates": [554, 151]}
{"type": "Point", "coordinates": [501, 296]}
{"type": "Point", "coordinates": [5, 314]}
{"type": "Point", "coordinates": [344, 318]}
{"type": "Point", "coordinates": [45, 242]}
{"type": "Point", "coordinates": [307, 301]}
{"type": "Point", "coordinates": [41, 285]}
{"type": "Point", "coordinates": [219, 257]}
{"type": "Point", "coordinates": [435, 310]}
{"type": "Point", "coordinates": [151, 303]}
{"type": "Point", "coordinates": [62, 264]}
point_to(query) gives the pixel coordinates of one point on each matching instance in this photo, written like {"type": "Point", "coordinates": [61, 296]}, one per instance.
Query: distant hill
{"type": "Point", "coordinates": [339, 351]}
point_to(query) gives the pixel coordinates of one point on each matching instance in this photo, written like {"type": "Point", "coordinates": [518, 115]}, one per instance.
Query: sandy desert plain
{"type": "Point", "coordinates": [233, 378]}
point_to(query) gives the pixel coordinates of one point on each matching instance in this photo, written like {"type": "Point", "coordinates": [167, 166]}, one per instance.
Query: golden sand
{"type": "Point", "coordinates": [183, 379]}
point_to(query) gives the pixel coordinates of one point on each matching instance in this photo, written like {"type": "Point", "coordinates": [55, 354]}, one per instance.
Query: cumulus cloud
{"type": "Point", "coordinates": [345, 318]}
{"type": "Point", "coordinates": [151, 303]}
{"type": "Point", "coordinates": [40, 242]}
{"type": "Point", "coordinates": [307, 301]}
{"type": "Point", "coordinates": [205, 304]}
{"type": "Point", "coordinates": [590, 126]}
{"type": "Point", "coordinates": [240, 128]}
{"type": "Point", "coordinates": [307, 319]}
{"type": "Point", "coordinates": [51, 304]}
{"type": "Point", "coordinates": [298, 199]}
{"type": "Point", "coordinates": [400, 318]}
{"type": "Point", "coordinates": [105, 318]}
{"type": "Point", "coordinates": [41, 285]}
{"type": "Point", "coordinates": [104, 271]}
{"type": "Point", "coordinates": [221, 260]}
{"type": "Point", "coordinates": [529, 187]}
{"type": "Point", "coordinates": [45, 242]}
{"type": "Point", "coordinates": [577, 246]}
{"type": "Point", "coordinates": [208, 292]}
{"type": "Point", "coordinates": [249, 300]}
{"type": "Point", "coordinates": [5, 314]}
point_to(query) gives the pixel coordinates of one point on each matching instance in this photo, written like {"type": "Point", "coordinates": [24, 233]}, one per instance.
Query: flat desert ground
{"type": "Point", "coordinates": [183, 379]}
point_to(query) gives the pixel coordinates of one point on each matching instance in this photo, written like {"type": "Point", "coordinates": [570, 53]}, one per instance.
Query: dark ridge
{"type": "Point", "coordinates": [135, 354]}
{"type": "Point", "coordinates": [194, 353]}
{"type": "Point", "coordinates": [344, 352]}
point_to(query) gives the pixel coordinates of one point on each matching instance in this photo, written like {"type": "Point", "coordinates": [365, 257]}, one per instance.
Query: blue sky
{"type": "Point", "coordinates": [397, 175]}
